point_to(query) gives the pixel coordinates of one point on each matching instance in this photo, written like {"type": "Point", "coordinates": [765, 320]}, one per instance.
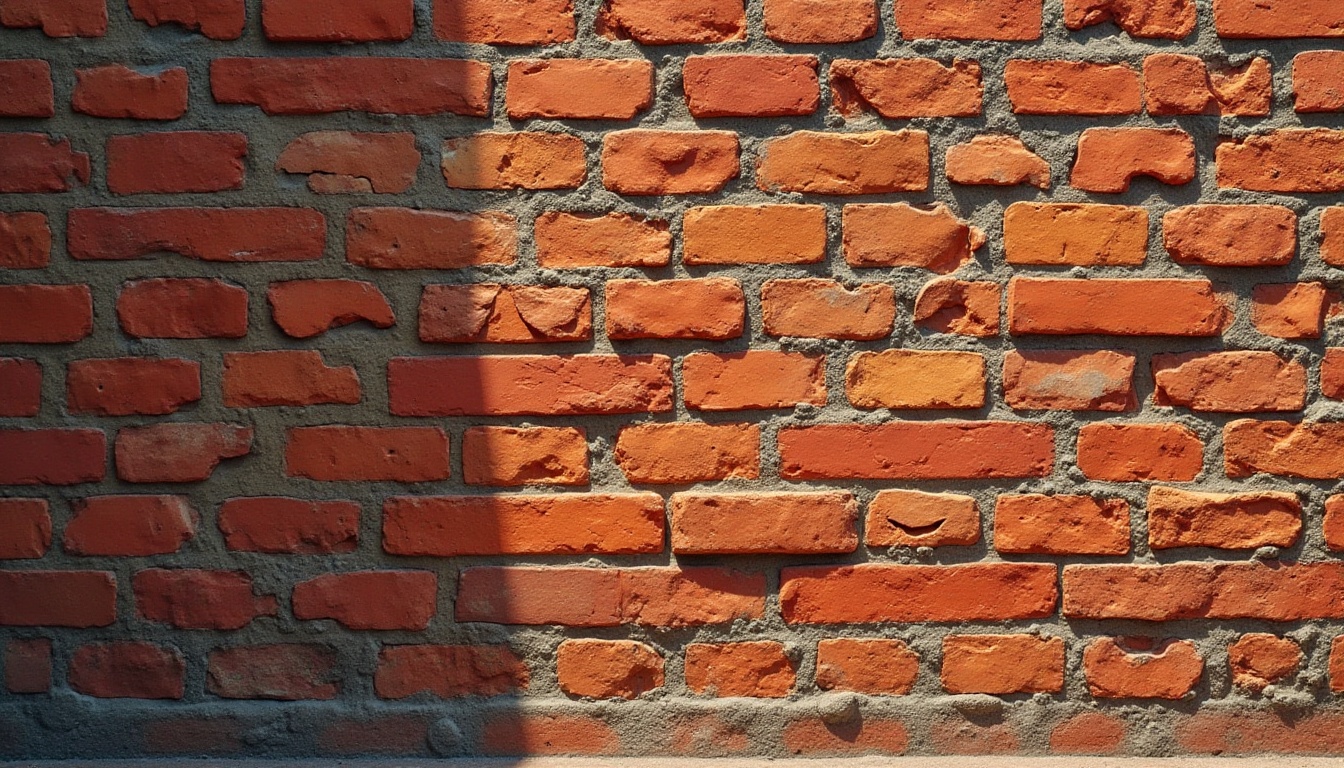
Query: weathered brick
{"type": "Point", "coordinates": [25, 529]}
{"type": "Point", "coordinates": [998, 161]}
{"type": "Point", "coordinates": [1080, 234]}
{"type": "Point", "coordinates": [712, 308]}
{"type": "Point", "coordinates": [1278, 18]}
{"type": "Point", "coordinates": [199, 599]}
{"type": "Point", "coordinates": [652, 22]}
{"type": "Point", "coordinates": [344, 162]}
{"type": "Point", "coordinates": [845, 163]}
{"type": "Point", "coordinates": [1114, 307]}
{"type": "Point", "coordinates": [313, 86]}
{"type": "Point", "coordinates": [1110, 158]}
{"type": "Point", "coordinates": [286, 377]}
{"type": "Point", "coordinates": [646, 162]}
{"type": "Point", "coordinates": [1126, 453]}
{"type": "Point", "coordinates": [28, 665]}
{"type": "Point", "coordinates": [871, 666]}
{"type": "Point", "coordinates": [966, 308]}
{"type": "Point", "coordinates": [25, 86]}
{"type": "Point", "coordinates": [182, 308]}
{"type": "Point", "coordinates": [1317, 86]}
{"type": "Point", "coordinates": [180, 452]}
{"type": "Point", "coordinates": [901, 89]}
{"type": "Point", "coordinates": [826, 309]}
{"type": "Point", "coordinates": [525, 456]}
{"type": "Point", "coordinates": [1259, 660]}
{"type": "Point", "coordinates": [25, 240]}
{"type": "Point", "coordinates": [404, 238]}
{"type": "Point", "coordinates": [1231, 235]}
{"type": "Point", "coordinates": [900, 378]}
{"type": "Point", "coordinates": [448, 671]}
{"type": "Point", "coordinates": [35, 162]}
{"type": "Point", "coordinates": [504, 22]}
{"type": "Point", "coordinates": [129, 526]}
{"type": "Point", "coordinates": [513, 314]}
{"type": "Point", "coordinates": [530, 385]}
{"type": "Point", "coordinates": [751, 86]}
{"type": "Point", "coordinates": [1068, 380]}
{"type": "Point", "coordinates": [958, 20]}
{"type": "Point", "coordinates": [1205, 590]}
{"type": "Point", "coordinates": [128, 670]}
{"type": "Point", "coordinates": [607, 669]}
{"type": "Point", "coordinates": [752, 380]}
{"type": "Point", "coordinates": [369, 599]}
{"type": "Point", "coordinates": [1286, 160]}
{"type": "Point", "coordinates": [760, 669]}
{"type": "Point", "coordinates": [126, 386]}
{"type": "Point", "coordinates": [215, 19]}
{"type": "Point", "coordinates": [117, 91]}
{"type": "Point", "coordinates": [1178, 84]}
{"type": "Point", "coordinates": [57, 18]}
{"type": "Point", "coordinates": [661, 454]}
{"type": "Point", "coordinates": [280, 672]}
{"type": "Point", "coordinates": [1072, 88]}
{"type": "Point", "coordinates": [1002, 664]}
{"type": "Point", "coordinates": [849, 594]}
{"type": "Point", "coordinates": [902, 235]}
{"type": "Point", "coordinates": [1170, 19]}
{"type": "Point", "coordinates": [342, 453]}
{"type": "Point", "coordinates": [307, 308]}
{"type": "Point", "coordinates": [567, 240]}
{"type": "Point", "coordinates": [916, 519]}
{"type": "Point", "coordinates": [820, 21]}
{"type": "Point", "coordinates": [1306, 449]}
{"type": "Point", "coordinates": [1290, 310]}
{"type": "Point", "coordinates": [1229, 382]}
{"type": "Point", "coordinates": [451, 526]}
{"type": "Point", "coordinates": [1117, 669]}
{"type": "Point", "coordinates": [763, 523]}
{"type": "Point", "coordinates": [278, 525]}
{"type": "Point", "coordinates": [585, 89]}
{"type": "Point", "coordinates": [1182, 518]}
{"type": "Point", "coordinates": [917, 450]}
{"type": "Point", "coordinates": [522, 160]}
{"type": "Point", "coordinates": [208, 234]}
{"type": "Point", "coordinates": [1061, 525]}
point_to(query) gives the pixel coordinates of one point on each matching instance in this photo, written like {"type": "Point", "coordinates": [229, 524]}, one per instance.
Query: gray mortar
{"type": "Point", "coordinates": [65, 724]}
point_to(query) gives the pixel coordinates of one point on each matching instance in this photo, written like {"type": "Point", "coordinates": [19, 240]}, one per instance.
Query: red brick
{"type": "Point", "coordinates": [499, 314]}
{"type": "Point", "coordinates": [402, 238]}
{"type": "Point", "coordinates": [1072, 88]}
{"type": "Point", "coordinates": [129, 526]}
{"type": "Point", "coordinates": [338, 21]}
{"type": "Point", "coordinates": [448, 671]}
{"type": "Point", "coordinates": [1309, 449]}
{"type": "Point", "coordinates": [607, 669]}
{"type": "Point", "coordinates": [566, 240]}
{"type": "Point", "coordinates": [1088, 733]}
{"type": "Point", "coordinates": [708, 735]}
{"type": "Point", "coordinates": [25, 529]}
{"type": "Point", "coordinates": [1288, 160]}
{"type": "Point", "coordinates": [1207, 590]}
{"type": "Point", "coordinates": [608, 597]}
{"type": "Point", "coordinates": [866, 736]}
{"type": "Point", "coordinates": [1337, 665]}
{"type": "Point", "coordinates": [966, 308]}
{"type": "Point", "coordinates": [763, 523]}
{"type": "Point", "coordinates": [1002, 664]}
{"type": "Point", "coordinates": [522, 160]}
{"type": "Point", "coordinates": [1114, 307]}
{"type": "Point", "coordinates": [754, 234]}
{"type": "Point", "coordinates": [20, 387]}
{"type": "Point", "coordinates": [902, 235]}
{"type": "Point", "coordinates": [198, 599]}
{"type": "Point", "coordinates": [758, 669]}
{"type": "Point", "coordinates": [1115, 669]}
{"type": "Point", "coordinates": [57, 18]}
{"type": "Point", "coordinates": [1290, 310]}
{"type": "Point", "coordinates": [52, 456]}
{"type": "Point", "coordinates": [313, 86]}
{"type": "Point", "coordinates": [25, 240]}
{"type": "Point", "coordinates": [186, 161]}
{"type": "Point", "coordinates": [1278, 18]}
{"type": "Point", "coordinates": [826, 309]}
{"type": "Point", "coordinates": [970, 735]}
{"type": "Point", "coordinates": [1333, 524]}
{"type": "Point", "coordinates": [585, 89]}
{"type": "Point", "coordinates": [845, 163]}
{"type": "Point", "coordinates": [976, 20]}
{"type": "Point", "coordinates": [127, 386]}
{"type": "Point", "coordinates": [752, 380]}
{"type": "Point", "coordinates": [202, 735]}
{"type": "Point", "coordinates": [367, 454]}
{"type": "Point", "coordinates": [282, 672]}
{"type": "Point", "coordinates": [871, 666]}
{"type": "Point", "coordinates": [1068, 380]}
{"type": "Point", "coordinates": [751, 86]}
{"type": "Point", "coordinates": [1181, 518]}
{"type": "Point", "coordinates": [504, 22]}
{"type": "Point", "coordinates": [1127, 453]}
{"type": "Point", "coordinates": [278, 525]}
{"type": "Point", "coordinates": [117, 91]}
{"type": "Point", "coordinates": [655, 22]}
{"type": "Point", "coordinates": [513, 456]}
{"type": "Point", "coordinates": [688, 452]}
{"type": "Point", "coordinates": [1061, 525]}
{"type": "Point", "coordinates": [820, 21]}
{"type": "Point", "coordinates": [872, 592]}
{"type": "Point", "coordinates": [182, 308]}
{"type": "Point", "coordinates": [1259, 660]}
{"type": "Point", "coordinates": [1234, 732]}
{"type": "Point", "coordinates": [1317, 85]}
{"type": "Point", "coordinates": [215, 19]}
{"type": "Point", "coordinates": [917, 450]}
{"type": "Point", "coordinates": [898, 518]}
{"type": "Point", "coordinates": [525, 385]}
{"type": "Point", "coordinates": [902, 378]}
{"type": "Point", "coordinates": [369, 599]}
{"type": "Point", "coordinates": [1231, 235]}
{"type": "Point", "coordinates": [180, 452]}
{"type": "Point", "coordinates": [1332, 374]}
{"type": "Point", "coordinates": [25, 87]}
{"type": "Point", "coordinates": [28, 666]}
{"type": "Point", "coordinates": [58, 599]}
{"type": "Point", "coordinates": [1170, 19]}
{"type": "Point", "coordinates": [344, 162]}
{"type": "Point", "coordinates": [208, 234]}
{"type": "Point", "coordinates": [709, 308]}
{"type": "Point", "coordinates": [1177, 84]}
{"type": "Point", "coordinates": [548, 734]}
{"type": "Point", "coordinates": [45, 314]}
{"type": "Point", "coordinates": [998, 161]}
{"type": "Point", "coordinates": [1110, 158]}
{"type": "Point", "coordinates": [1080, 234]}
{"type": "Point", "coordinates": [307, 308]}
{"type": "Point", "coordinates": [1229, 382]}
{"type": "Point", "coordinates": [901, 89]}
{"type": "Point", "coordinates": [571, 524]}
{"type": "Point", "coordinates": [288, 377]}
{"type": "Point", "coordinates": [646, 162]}
{"type": "Point", "coordinates": [35, 162]}
{"type": "Point", "coordinates": [128, 670]}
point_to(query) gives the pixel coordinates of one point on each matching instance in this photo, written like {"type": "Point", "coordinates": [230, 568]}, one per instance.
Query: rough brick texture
{"type": "Point", "coordinates": [705, 378]}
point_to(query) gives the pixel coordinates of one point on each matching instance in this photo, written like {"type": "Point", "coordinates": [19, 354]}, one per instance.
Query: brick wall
{"type": "Point", "coordinates": [671, 377]}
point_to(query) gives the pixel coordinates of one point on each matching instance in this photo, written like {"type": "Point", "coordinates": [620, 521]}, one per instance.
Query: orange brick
{"type": "Point", "coordinates": [845, 163]}
{"type": "Point", "coordinates": [751, 86]}
{"type": "Point", "coordinates": [764, 523]}
{"type": "Point", "coordinates": [525, 456]}
{"type": "Point", "coordinates": [1072, 88]}
{"type": "Point", "coordinates": [710, 308]}
{"type": "Point", "coordinates": [902, 235]}
{"type": "Point", "coordinates": [752, 380]}
{"type": "Point", "coordinates": [586, 89]}
{"type": "Point", "coordinates": [514, 161]}
{"type": "Point", "coordinates": [1061, 525]}
{"type": "Point", "coordinates": [1181, 518]}
{"type": "Point", "coordinates": [1002, 664]}
{"type": "Point", "coordinates": [688, 453]}
{"type": "Point", "coordinates": [898, 378]}
{"type": "Point", "coordinates": [757, 669]}
{"type": "Point", "coordinates": [646, 162]}
{"type": "Point", "coordinates": [1078, 234]}
{"type": "Point", "coordinates": [1126, 453]}
{"type": "Point", "coordinates": [760, 234]}
{"type": "Point", "coordinates": [826, 309]}
{"type": "Point", "coordinates": [901, 89]}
